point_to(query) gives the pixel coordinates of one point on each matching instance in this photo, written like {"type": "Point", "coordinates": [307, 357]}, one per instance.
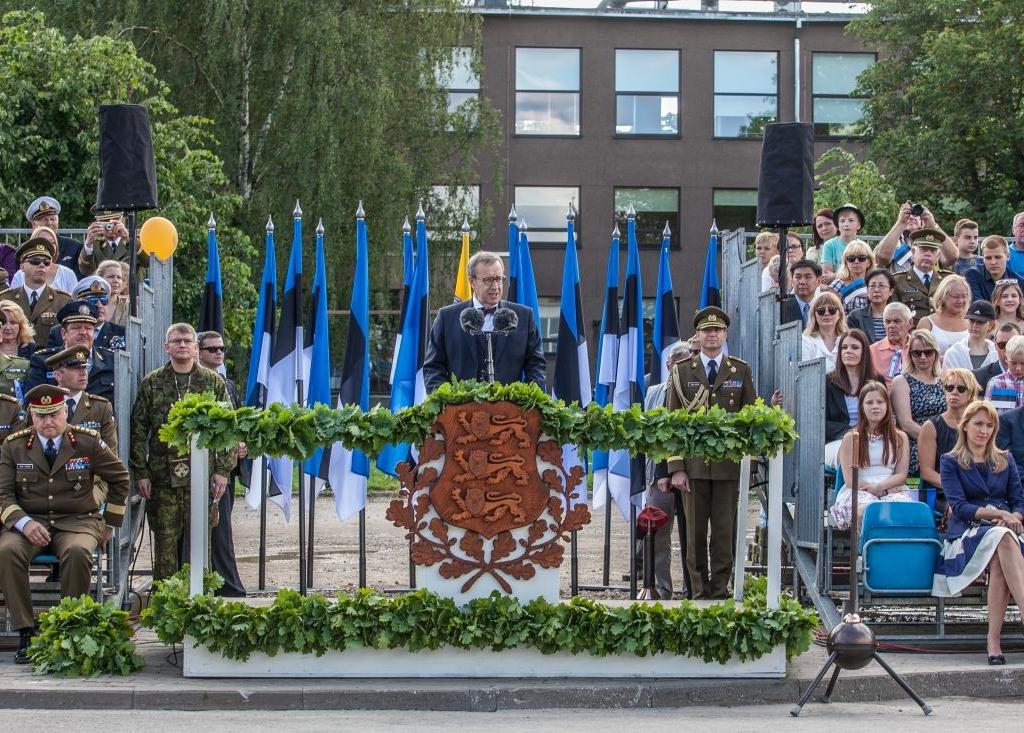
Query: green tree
{"type": "Point", "coordinates": [50, 87]}
{"type": "Point", "coordinates": [843, 179]}
{"type": "Point", "coordinates": [945, 106]}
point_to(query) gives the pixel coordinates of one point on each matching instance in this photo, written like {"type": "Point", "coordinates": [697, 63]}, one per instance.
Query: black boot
{"type": "Point", "coordinates": [21, 656]}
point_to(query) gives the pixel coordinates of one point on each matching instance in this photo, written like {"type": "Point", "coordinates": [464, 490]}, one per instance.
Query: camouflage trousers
{"type": "Point", "coordinates": [168, 510]}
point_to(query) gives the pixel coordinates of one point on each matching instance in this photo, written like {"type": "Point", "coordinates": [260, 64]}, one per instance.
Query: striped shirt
{"type": "Point", "coordinates": [1005, 392]}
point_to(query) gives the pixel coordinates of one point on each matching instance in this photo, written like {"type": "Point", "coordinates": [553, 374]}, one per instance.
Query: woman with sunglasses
{"type": "Point", "coordinates": [917, 393]}
{"type": "Point", "coordinates": [825, 325]}
{"type": "Point", "coordinates": [986, 521]}
{"type": "Point", "coordinates": [870, 319]}
{"type": "Point", "coordinates": [882, 456]}
{"type": "Point", "coordinates": [1009, 303]}
{"type": "Point", "coordinates": [948, 322]}
{"type": "Point", "coordinates": [842, 387]}
{"type": "Point", "coordinates": [849, 282]}
{"type": "Point", "coordinates": [938, 434]}
{"type": "Point", "coordinates": [57, 276]}
{"type": "Point", "coordinates": [977, 350]}
{"type": "Point", "coordinates": [13, 368]}
{"type": "Point", "coordinates": [114, 274]}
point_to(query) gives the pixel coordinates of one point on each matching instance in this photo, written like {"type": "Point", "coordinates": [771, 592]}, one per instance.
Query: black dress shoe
{"type": "Point", "coordinates": [996, 659]}
{"type": "Point", "coordinates": [21, 656]}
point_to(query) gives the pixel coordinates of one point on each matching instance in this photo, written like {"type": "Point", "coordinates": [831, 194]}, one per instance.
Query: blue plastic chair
{"type": "Point", "coordinates": [900, 546]}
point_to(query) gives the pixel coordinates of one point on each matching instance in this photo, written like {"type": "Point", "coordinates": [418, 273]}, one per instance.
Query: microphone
{"type": "Point", "coordinates": [472, 321]}
{"type": "Point", "coordinates": [505, 320]}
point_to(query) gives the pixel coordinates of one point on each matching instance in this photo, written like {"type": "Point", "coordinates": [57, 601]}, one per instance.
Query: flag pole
{"type": "Point", "coordinates": [264, 467]}
{"type": "Point", "coordinates": [264, 498]}
{"type": "Point", "coordinates": [632, 549]}
{"type": "Point", "coordinates": [311, 479]}
{"type": "Point", "coordinates": [362, 548]}
{"type": "Point", "coordinates": [301, 395]}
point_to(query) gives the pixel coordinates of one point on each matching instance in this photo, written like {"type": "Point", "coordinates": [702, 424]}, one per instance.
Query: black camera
{"type": "Point", "coordinates": [916, 209]}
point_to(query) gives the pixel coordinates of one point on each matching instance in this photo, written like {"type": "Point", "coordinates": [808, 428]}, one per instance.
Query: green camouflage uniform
{"type": "Point", "coordinates": [167, 469]}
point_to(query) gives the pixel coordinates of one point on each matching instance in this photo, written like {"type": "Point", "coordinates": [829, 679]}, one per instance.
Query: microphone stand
{"type": "Point", "coordinates": [490, 356]}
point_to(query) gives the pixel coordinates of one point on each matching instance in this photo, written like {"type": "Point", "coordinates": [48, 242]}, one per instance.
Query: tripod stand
{"type": "Point", "coordinates": [852, 643]}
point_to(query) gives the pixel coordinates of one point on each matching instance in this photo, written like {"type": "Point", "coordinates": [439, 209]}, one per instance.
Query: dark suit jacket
{"type": "Point", "coordinates": [986, 373]}
{"type": "Point", "coordinates": [790, 311]}
{"type": "Point", "coordinates": [451, 352]}
{"type": "Point", "coordinates": [68, 256]}
{"type": "Point", "coordinates": [1011, 433]}
{"type": "Point", "coordinates": [861, 318]}
{"type": "Point", "coordinates": [969, 490]}
{"type": "Point", "coordinates": [101, 374]}
{"type": "Point", "coordinates": [837, 417]}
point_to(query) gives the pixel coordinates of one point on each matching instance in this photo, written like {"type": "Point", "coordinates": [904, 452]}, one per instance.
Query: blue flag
{"type": "Point", "coordinates": [572, 361]}
{"type": "Point", "coordinates": [259, 358]}
{"type": "Point", "coordinates": [349, 471]}
{"type": "Point", "coordinates": [666, 322]}
{"type": "Point", "coordinates": [407, 387]}
{"type": "Point", "coordinates": [607, 361]}
{"type": "Point", "coordinates": [408, 267]}
{"type": "Point", "coordinates": [513, 256]}
{"type": "Point", "coordinates": [710, 290]}
{"type": "Point", "coordinates": [211, 310]}
{"type": "Point", "coordinates": [526, 289]}
{"type": "Point", "coordinates": [317, 354]}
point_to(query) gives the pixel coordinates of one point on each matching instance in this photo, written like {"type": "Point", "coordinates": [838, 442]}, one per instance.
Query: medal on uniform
{"type": "Point", "coordinates": [180, 469]}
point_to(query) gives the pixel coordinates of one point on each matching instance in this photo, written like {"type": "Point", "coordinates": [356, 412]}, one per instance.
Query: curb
{"type": "Point", "coordinates": [461, 695]}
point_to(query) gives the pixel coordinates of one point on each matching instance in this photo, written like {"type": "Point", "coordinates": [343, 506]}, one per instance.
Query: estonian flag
{"type": "Point", "coordinates": [710, 290]}
{"type": "Point", "coordinates": [259, 357]}
{"type": "Point", "coordinates": [286, 363]}
{"type": "Point", "coordinates": [625, 472]}
{"type": "Point", "coordinates": [462, 289]}
{"type": "Point", "coordinates": [317, 355]}
{"type": "Point", "coordinates": [211, 311]}
{"type": "Point", "coordinates": [666, 322]}
{"type": "Point", "coordinates": [607, 361]}
{"type": "Point", "coordinates": [408, 266]}
{"type": "Point", "coordinates": [407, 387]}
{"type": "Point", "coordinates": [526, 287]}
{"type": "Point", "coordinates": [572, 362]}
{"type": "Point", "coordinates": [513, 255]}
{"type": "Point", "coordinates": [349, 471]}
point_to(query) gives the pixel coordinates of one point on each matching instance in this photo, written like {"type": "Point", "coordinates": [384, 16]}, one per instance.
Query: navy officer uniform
{"type": "Point", "coordinates": [707, 380]}
{"type": "Point", "coordinates": [44, 211]}
{"type": "Point", "coordinates": [96, 291]}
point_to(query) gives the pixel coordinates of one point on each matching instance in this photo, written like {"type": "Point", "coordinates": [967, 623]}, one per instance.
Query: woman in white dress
{"type": "Point", "coordinates": [948, 323]}
{"type": "Point", "coordinates": [883, 454]}
{"type": "Point", "coordinates": [825, 324]}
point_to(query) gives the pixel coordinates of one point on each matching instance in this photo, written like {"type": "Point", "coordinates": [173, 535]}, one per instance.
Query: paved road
{"type": "Point", "coordinates": [950, 713]}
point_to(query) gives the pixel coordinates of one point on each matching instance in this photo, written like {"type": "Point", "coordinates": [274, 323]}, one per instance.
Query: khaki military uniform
{"type": "Point", "coordinates": [714, 485]}
{"type": "Point", "coordinates": [66, 499]}
{"type": "Point", "coordinates": [105, 250]}
{"type": "Point", "coordinates": [12, 369]}
{"type": "Point", "coordinates": [44, 316]}
{"type": "Point", "coordinates": [168, 470]}
{"type": "Point", "coordinates": [96, 413]}
{"type": "Point", "coordinates": [910, 291]}
{"type": "Point", "coordinates": [12, 416]}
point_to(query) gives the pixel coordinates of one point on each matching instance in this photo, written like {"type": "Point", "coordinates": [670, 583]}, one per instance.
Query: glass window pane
{"type": "Point", "coordinates": [735, 197]}
{"type": "Point", "coordinates": [735, 208]}
{"type": "Point", "coordinates": [836, 73]}
{"type": "Point", "coordinates": [460, 74]}
{"type": "Point", "coordinates": [746, 72]}
{"type": "Point", "coordinates": [548, 69]}
{"type": "Point", "coordinates": [547, 113]}
{"type": "Point", "coordinates": [543, 208]}
{"type": "Point", "coordinates": [741, 116]}
{"type": "Point", "coordinates": [654, 206]}
{"type": "Point", "coordinates": [837, 117]}
{"type": "Point", "coordinates": [646, 115]}
{"type": "Point", "coordinates": [457, 99]}
{"type": "Point", "coordinates": [646, 71]}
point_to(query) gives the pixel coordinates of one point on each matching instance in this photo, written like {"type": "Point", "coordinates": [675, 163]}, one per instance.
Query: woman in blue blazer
{"type": "Point", "coordinates": [986, 524]}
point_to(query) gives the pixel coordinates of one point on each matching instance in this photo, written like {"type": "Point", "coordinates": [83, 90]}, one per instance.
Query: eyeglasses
{"type": "Point", "coordinates": [97, 299]}
{"type": "Point", "coordinates": [826, 309]}
{"type": "Point", "coordinates": [180, 342]}
{"type": "Point", "coordinates": [37, 261]}
{"type": "Point", "coordinates": [213, 349]}
{"type": "Point", "coordinates": [919, 353]}
{"type": "Point", "coordinates": [857, 258]}
{"type": "Point", "coordinates": [879, 286]}
{"type": "Point", "coordinates": [1002, 344]}
{"type": "Point", "coordinates": [491, 281]}
{"type": "Point", "coordinates": [962, 389]}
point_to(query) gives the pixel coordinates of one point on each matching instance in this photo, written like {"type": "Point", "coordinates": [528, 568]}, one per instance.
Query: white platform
{"type": "Point", "coordinates": [518, 663]}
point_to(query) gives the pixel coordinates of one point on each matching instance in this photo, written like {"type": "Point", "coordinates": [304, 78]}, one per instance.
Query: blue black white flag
{"type": "Point", "coordinates": [710, 290]}
{"type": "Point", "coordinates": [607, 361]}
{"type": "Point", "coordinates": [211, 310]}
{"type": "Point", "coordinates": [317, 355]}
{"type": "Point", "coordinates": [408, 267]}
{"type": "Point", "coordinates": [666, 322]}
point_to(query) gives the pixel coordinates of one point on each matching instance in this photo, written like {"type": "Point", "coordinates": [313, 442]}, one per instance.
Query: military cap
{"type": "Point", "coordinates": [93, 285]}
{"type": "Point", "coordinates": [78, 311]}
{"type": "Point", "coordinates": [36, 247]}
{"type": "Point", "coordinates": [75, 356]}
{"type": "Point", "coordinates": [710, 317]}
{"type": "Point", "coordinates": [46, 398]}
{"type": "Point", "coordinates": [981, 311]}
{"type": "Point", "coordinates": [848, 207]}
{"type": "Point", "coordinates": [927, 238]}
{"type": "Point", "coordinates": [42, 206]}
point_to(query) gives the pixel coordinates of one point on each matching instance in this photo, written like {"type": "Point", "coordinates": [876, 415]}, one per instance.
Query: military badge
{"type": "Point", "coordinates": [77, 464]}
{"type": "Point", "coordinates": [180, 469]}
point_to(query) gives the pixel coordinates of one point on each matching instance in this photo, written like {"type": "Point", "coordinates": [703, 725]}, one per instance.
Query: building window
{"type": "Point", "coordinates": [543, 208]}
{"type": "Point", "coordinates": [735, 208]}
{"type": "Point", "coordinates": [654, 207]}
{"type": "Point", "coordinates": [448, 206]}
{"type": "Point", "coordinates": [746, 92]}
{"type": "Point", "coordinates": [550, 315]}
{"type": "Point", "coordinates": [461, 80]}
{"type": "Point", "coordinates": [646, 92]}
{"type": "Point", "coordinates": [547, 91]}
{"type": "Point", "coordinates": [836, 112]}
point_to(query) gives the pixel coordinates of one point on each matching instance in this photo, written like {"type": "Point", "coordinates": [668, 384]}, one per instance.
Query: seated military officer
{"type": "Point", "coordinates": [95, 291]}
{"type": "Point", "coordinates": [50, 500]}
{"type": "Point", "coordinates": [78, 328]}
{"type": "Point", "coordinates": [71, 371]}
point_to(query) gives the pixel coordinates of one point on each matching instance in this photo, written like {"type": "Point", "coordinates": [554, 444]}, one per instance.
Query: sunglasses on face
{"type": "Point", "coordinates": [920, 353]}
{"type": "Point", "coordinates": [213, 349]}
{"type": "Point", "coordinates": [955, 388]}
{"type": "Point", "coordinates": [857, 258]}
{"type": "Point", "coordinates": [37, 261]}
{"type": "Point", "coordinates": [830, 310]}
{"type": "Point", "coordinates": [97, 299]}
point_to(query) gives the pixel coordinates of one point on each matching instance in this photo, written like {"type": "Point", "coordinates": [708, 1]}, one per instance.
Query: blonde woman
{"type": "Point", "coordinates": [917, 393]}
{"type": "Point", "coordinates": [826, 322]}
{"type": "Point", "coordinates": [17, 336]}
{"type": "Point", "coordinates": [938, 434]}
{"type": "Point", "coordinates": [948, 323]}
{"type": "Point", "coordinates": [1009, 303]}
{"type": "Point", "coordinates": [116, 277]}
{"type": "Point", "coordinates": [986, 522]}
{"type": "Point", "coordinates": [766, 245]}
{"type": "Point", "coordinates": [849, 283]}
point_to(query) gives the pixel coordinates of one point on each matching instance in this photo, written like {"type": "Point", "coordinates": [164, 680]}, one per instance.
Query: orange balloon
{"type": "Point", "coordinates": [158, 237]}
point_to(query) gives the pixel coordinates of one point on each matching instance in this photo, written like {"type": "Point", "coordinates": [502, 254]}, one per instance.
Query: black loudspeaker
{"type": "Point", "coordinates": [127, 167]}
{"type": "Point", "coordinates": [785, 187]}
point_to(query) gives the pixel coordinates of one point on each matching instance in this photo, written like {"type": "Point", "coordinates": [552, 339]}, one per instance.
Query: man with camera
{"type": "Point", "coordinates": [895, 250]}
{"type": "Point", "coordinates": [107, 239]}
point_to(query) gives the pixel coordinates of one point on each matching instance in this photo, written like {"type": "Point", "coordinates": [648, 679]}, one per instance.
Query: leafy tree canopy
{"type": "Point", "coordinates": [842, 179]}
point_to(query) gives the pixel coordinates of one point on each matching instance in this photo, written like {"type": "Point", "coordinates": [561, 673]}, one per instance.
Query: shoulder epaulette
{"type": "Point", "coordinates": [97, 398]}
{"type": "Point", "coordinates": [736, 360]}
{"type": "Point", "coordinates": [80, 429]}
{"type": "Point", "coordinates": [4, 396]}
{"type": "Point", "coordinates": [21, 433]}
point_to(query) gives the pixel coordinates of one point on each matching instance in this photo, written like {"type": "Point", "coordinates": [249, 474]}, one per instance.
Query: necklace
{"type": "Point", "coordinates": [188, 383]}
